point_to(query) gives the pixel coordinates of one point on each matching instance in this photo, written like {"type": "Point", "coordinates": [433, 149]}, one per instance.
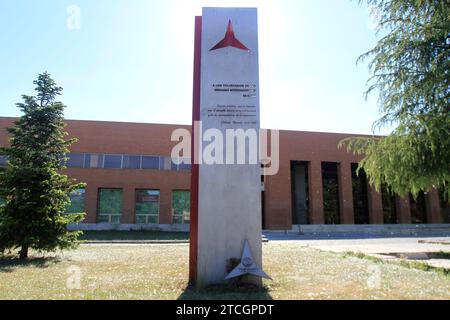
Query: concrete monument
{"type": "Point", "coordinates": [225, 194]}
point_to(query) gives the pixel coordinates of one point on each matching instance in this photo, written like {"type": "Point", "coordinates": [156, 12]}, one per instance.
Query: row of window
{"type": "Point", "coordinates": [110, 205]}
{"type": "Point", "coordinates": [331, 197]}
{"type": "Point", "coordinates": [360, 198]}
{"type": "Point", "coordinates": [124, 161]}
{"type": "Point", "coordinates": [120, 161]}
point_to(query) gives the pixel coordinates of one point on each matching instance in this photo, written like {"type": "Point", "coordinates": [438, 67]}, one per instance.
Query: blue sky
{"type": "Point", "coordinates": [131, 60]}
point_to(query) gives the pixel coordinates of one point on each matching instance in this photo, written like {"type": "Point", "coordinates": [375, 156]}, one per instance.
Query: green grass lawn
{"type": "Point", "coordinates": [133, 235]}
{"type": "Point", "coordinates": [160, 271]}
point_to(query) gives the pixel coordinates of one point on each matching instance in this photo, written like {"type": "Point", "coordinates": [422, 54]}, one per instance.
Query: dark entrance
{"type": "Point", "coordinates": [389, 206]}
{"type": "Point", "coordinates": [359, 189]}
{"type": "Point", "coordinates": [418, 208]}
{"type": "Point", "coordinates": [330, 192]}
{"type": "Point", "coordinates": [299, 189]}
{"type": "Point", "coordinates": [263, 212]}
{"type": "Point", "coordinates": [263, 200]}
{"type": "Point", "coordinates": [444, 205]}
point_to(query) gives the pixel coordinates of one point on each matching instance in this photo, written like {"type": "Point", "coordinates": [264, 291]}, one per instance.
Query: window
{"type": "Point", "coordinates": [179, 164]}
{"type": "Point", "coordinates": [119, 161]}
{"type": "Point", "coordinates": [93, 160]}
{"type": "Point", "coordinates": [147, 206]}
{"type": "Point", "coordinates": [109, 205]}
{"type": "Point", "coordinates": [181, 206]}
{"type": "Point", "coordinates": [299, 192]}
{"type": "Point", "coordinates": [330, 192]}
{"type": "Point", "coordinates": [359, 189]}
{"type": "Point", "coordinates": [112, 161]}
{"type": "Point", "coordinates": [174, 165]}
{"type": "Point", "coordinates": [418, 208]}
{"type": "Point", "coordinates": [184, 167]}
{"type": "Point", "coordinates": [75, 160]}
{"type": "Point", "coordinates": [76, 201]}
{"type": "Point", "coordinates": [389, 206]}
{"type": "Point", "coordinates": [444, 204]}
{"type": "Point", "coordinates": [131, 162]}
{"type": "Point", "coordinates": [165, 163]}
{"type": "Point", "coordinates": [150, 162]}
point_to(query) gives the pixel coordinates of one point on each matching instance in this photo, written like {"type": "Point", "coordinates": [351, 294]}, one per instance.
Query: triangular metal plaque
{"type": "Point", "coordinates": [247, 266]}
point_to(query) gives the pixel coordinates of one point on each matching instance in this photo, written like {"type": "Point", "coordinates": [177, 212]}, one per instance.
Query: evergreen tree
{"type": "Point", "coordinates": [35, 194]}
{"type": "Point", "coordinates": [411, 73]}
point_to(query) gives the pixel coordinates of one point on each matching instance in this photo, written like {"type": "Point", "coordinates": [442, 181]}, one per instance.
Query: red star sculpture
{"type": "Point", "coordinates": [229, 40]}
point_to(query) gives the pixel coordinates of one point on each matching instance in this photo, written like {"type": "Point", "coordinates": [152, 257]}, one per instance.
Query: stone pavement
{"type": "Point", "coordinates": [411, 248]}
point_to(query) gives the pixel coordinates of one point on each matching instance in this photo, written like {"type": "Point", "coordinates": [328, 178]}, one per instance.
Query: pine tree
{"type": "Point", "coordinates": [35, 194]}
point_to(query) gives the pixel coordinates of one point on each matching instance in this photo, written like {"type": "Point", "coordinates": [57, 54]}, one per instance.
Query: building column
{"type": "Point", "coordinates": [433, 208]}
{"type": "Point", "coordinates": [315, 193]}
{"type": "Point", "coordinates": [347, 215]}
{"type": "Point", "coordinates": [90, 203]}
{"type": "Point", "coordinates": [128, 216]}
{"type": "Point", "coordinates": [165, 206]}
{"type": "Point", "coordinates": [375, 204]}
{"type": "Point", "coordinates": [403, 209]}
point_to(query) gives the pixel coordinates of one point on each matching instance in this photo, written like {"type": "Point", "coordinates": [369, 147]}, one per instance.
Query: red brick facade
{"type": "Point", "coordinates": [154, 139]}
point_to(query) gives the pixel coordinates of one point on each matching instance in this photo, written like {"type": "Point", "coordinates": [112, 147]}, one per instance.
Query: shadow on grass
{"type": "Point", "coordinates": [226, 292]}
{"type": "Point", "coordinates": [10, 263]}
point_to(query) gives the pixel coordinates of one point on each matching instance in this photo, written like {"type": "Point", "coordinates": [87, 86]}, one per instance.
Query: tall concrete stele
{"type": "Point", "coordinates": [225, 198]}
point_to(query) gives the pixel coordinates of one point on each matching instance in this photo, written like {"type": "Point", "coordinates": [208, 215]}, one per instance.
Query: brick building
{"type": "Point", "coordinates": [131, 180]}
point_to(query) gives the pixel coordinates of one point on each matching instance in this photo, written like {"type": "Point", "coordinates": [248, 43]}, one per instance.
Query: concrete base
{"type": "Point", "coordinates": [129, 227]}
{"type": "Point", "coordinates": [381, 229]}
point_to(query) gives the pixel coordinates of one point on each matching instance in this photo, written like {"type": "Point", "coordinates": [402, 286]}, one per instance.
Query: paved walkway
{"type": "Point", "coordinates": [409, 247]}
